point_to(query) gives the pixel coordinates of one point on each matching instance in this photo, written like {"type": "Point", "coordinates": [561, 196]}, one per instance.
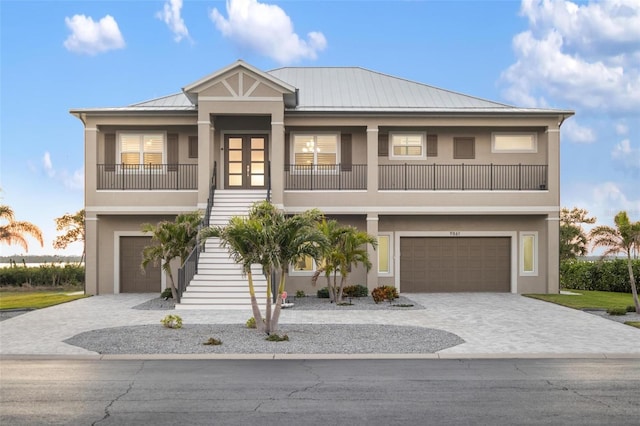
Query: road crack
{"type": "Point", "coordinates": [107, 412]}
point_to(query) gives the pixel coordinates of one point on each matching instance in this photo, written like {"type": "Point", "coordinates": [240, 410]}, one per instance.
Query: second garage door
{"type": "Point", "coordinates": [456, 264]}
{"type": "Point", "coordinates": [132, 278]}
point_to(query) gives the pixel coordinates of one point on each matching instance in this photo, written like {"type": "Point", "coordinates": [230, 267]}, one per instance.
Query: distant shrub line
{"type": "Point", "coordinates": [609, 275]}
{"type": "Point", "coordinates": [43, 275]}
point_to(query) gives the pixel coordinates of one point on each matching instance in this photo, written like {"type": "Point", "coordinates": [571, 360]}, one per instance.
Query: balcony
{"type": "Point", "coordinates": [160, 177]}
{"type": "Point", "coordinates": [332, 177]}
{"type": "Point", "coordinates": [462, 177]}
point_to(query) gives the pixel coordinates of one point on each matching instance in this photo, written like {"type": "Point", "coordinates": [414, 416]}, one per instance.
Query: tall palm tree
{"type": "Point", "coordinates": [622, 238]}
{"type": "Point", "coordinates": [243, 238]}
{"type": "Point", "coordinates": [171, 240]}
{"type": "Point", "coordinates": [296, 237]}
{"type": "Point", "coordinates": [13, 232]}
{"type": "Point", "coordinates": [347, 248]}
{"type": "Point", "coordinates": [271, 239]}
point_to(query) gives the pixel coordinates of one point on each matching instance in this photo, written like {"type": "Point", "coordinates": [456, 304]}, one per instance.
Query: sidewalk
{"type": "Point", "coordinates": [492, 325]}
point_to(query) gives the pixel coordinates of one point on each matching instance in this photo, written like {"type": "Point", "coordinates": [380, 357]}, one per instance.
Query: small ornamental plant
{"type": "Point", "coordinates": [277, 338]}
{"type": "Point", "coordinates": [251, 323]}
{"type": "Point", "coordinates": [384, 292]}
{"type": "Point", "coordinates": [172, 321]}
{"type": "Point", "coordinates": [300, 294]}
{"type": "Point", "coordinates": [213, 342]}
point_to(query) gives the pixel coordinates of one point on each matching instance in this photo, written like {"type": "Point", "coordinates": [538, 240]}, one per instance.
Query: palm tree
{"type": "Point", "coordinates": [271, 239]}
{"type": "Point", "coordinates": [347, 248]}
{"type": "Point", "coordinates": [296, 237]}
{"type": "Point", "coordinates": [14, 231]}
{"type": "Point", "coordinates": [622, 238]}
{"type": "Point", "coordinates": [243, 238]}
{"type": "Point", "coordinates": [171, 240]}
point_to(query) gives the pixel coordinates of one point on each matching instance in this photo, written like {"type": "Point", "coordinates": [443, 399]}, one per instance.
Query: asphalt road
{"type": "Point", "coordinates": [320, 392]}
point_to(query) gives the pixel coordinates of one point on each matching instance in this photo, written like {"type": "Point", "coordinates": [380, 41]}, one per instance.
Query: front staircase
{"type": "Point", "coordinates": [219, 282]}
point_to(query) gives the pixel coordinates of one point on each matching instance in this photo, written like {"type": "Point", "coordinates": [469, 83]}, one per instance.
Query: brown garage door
{"type": "Point", "coordinates": [455, 264]}
{"type": "Point", "coordinates": [132, 278]}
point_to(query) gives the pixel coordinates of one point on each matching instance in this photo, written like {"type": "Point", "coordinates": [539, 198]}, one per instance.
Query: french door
{"type": "Point", "coordinates": [246, 159]}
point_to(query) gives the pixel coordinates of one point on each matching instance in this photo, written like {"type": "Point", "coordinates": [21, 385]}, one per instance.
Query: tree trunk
{"type": "Point", "coordinates": [267, 315]}
{"type": "Point", "coordinates": [254, 303]}
{"type": "Point", "coordinates": [632, 281]}
{"type": "Point", "coordinates": [174, 292]}
{"type": "Point", "coordinates": [343, 281]}
{"type": "Point", "coordinates": [276, 313]}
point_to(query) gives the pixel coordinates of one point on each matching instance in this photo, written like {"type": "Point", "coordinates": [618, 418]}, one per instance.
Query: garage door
{"type": "Point", "coordinates": [455, 264]}
{"type": "Point", "coordinates": [132, 279]}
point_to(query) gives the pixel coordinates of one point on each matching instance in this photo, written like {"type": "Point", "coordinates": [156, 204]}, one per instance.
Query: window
{"type": "Point", "coordinates": [528, 253]}
{"type": "Point", "coordinates": [514, 142]}
{"type": "Point", "coordinates": [385, 249]}
{"type": "Point", "coordinates": [305, 266]}
{"type": "Point", "coordinates": [193, 147]}
{"type": "Point", "coordinates": [464, 148]}
{"type": "Point", "coordinates": [320, 149]}
{"type": "Point", "coordinates": [141, 148]}
{"type": "Point", "coordinates": [407, 145]}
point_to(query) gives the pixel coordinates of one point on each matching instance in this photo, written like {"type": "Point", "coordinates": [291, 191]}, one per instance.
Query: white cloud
{"type": "Point", "coordinates": [609, 199]}
{"type": "Point", "coordinates": [586, 55]}
{"type": "Point", "coordinates": [73, 180]}
{"type": "Point", "coordinates": [626, 156]}
{"type": "Point", "coordinates": [621, 128]}
{"type": "Point", "coordinates": [90, 38]}
{"type": "Point", "coordinates": [267, 30]}
{"type": "Point", "coordinates": [577, 133]}
{"type": "Point", "coordinates": [170, 14]}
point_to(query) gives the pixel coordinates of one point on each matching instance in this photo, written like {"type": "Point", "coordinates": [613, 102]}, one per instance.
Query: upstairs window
{"type": "Point", "coordinates": [315, 149]}
{"type": "Point", "coordinates": [407, 145]}
{"type": "Point", "coordinates": [514, 142]}
{"type": "Point", "coordinates": [141, 148]}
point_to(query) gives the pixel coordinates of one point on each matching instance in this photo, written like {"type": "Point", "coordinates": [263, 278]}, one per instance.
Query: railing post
{"type": "Point", "coordinates": [311, 179]}
{"type": "Point", "coordinates": [519, 176]}
{"type": "Point", "coordinates": [463, 176]}
{"type": "Point", "coordinates": [340, 176]}
{"type": "Point", "coordinates": [491, 177]}
{"type": "Point", "coordinates": [405, 176]}
{"type": "Point", "coordinates": [178, 167]}
{"type": "Point", "coordinates": [122, 174]}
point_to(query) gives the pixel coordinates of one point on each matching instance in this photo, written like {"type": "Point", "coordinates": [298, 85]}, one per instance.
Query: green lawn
{"type": "Point", "coordinates": [635, 324]}
{"type": "Point", "coordinates": [588, 299]}
{"type": "Point", "coordinates": [35, 299]}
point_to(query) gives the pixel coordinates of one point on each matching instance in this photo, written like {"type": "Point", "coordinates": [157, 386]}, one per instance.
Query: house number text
{"type": "Point", "coordinates": [454, 233]}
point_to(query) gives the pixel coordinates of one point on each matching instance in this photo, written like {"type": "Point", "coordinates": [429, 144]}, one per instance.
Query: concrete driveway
{"type": "Point", "coordinates": [492, 325]}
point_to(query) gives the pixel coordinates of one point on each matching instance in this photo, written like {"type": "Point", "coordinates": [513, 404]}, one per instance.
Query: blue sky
{"type": "Point", "coordinates": [57, 55]}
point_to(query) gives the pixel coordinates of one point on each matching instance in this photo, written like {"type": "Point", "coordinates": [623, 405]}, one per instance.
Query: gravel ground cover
{"type": "Point", "coordinates": [311, 303]}
{"type": "Point", "coordinates": [236, 339]}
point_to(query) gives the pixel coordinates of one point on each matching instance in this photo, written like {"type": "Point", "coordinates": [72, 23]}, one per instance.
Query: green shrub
{"type": "Point", "coordinates": [609, 275]}
{"type": "Point", "coordinates": [384, 292]}
{"type": "Point", "coordinates": [617, 311]}
{"type": "Point", "coordinates": [172, 321]}
{"type": "Point", "coordinates": [166, 294]}
{"type": "Point", "coordinates": [631, 308]}
{"type": "Point", "coordinates": [355, 291]}
{"type": "Point", "coordinates": [323, 293]}
{"type": "Point", "coordinates": [300, 293]}
{"type": "Point", "coordinates": [49, 275]}
{"type": "Point", "coordinates": [213, 341]}
{"type": "Point", "coordinates": [277, 338]}
{"type": "Point", "coordinates": [251, 323]}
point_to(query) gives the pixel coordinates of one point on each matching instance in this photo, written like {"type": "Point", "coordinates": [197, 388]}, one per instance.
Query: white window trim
{"type": "Point", "coordinates": [514, 151]}
{"type": "Point", "coordinates": [292, 154]}
{"type": "Point", "coordinates": [423, 137]}
{"type": "Point", "coordinates": [141, 132]}
{"type": "Point", "coordinates": [294, 273]}
{"type": "Point", "coordinates": [533, 234]}
{"type": "Point", "coordinates": [391, 255]}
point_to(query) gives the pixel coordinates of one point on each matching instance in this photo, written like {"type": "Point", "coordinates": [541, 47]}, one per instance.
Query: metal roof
{"type": "Point", "coordinates": [351, 89]}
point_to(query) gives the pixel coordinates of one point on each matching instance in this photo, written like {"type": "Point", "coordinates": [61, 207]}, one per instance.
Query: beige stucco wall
{"type": "Point", "coordinates": [110, 228]}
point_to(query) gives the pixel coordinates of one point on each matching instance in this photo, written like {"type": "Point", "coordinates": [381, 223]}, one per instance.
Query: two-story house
{"type": "Point", "coordinates": [462, 193]}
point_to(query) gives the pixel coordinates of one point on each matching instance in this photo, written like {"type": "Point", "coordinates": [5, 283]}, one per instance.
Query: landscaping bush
{"type": "Point", "coordinates": [384, 292]}
{"type": "Point", "coordinates": [609, 275]}
{"type": "Point", "coordinates": [355, 291]}
{"type": "Point", "coordinates": [172, 321]}
{"type": "Point", "coordinates": [166, 293]}
{"type": "Point", "coordinates": [323, 293]}
{"type": "Point", "coordinates": [300, 294]}
{"type": "Point", "coordinates": [48, 275]}
{"type": "Point", "coordinates": [617, 311]}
